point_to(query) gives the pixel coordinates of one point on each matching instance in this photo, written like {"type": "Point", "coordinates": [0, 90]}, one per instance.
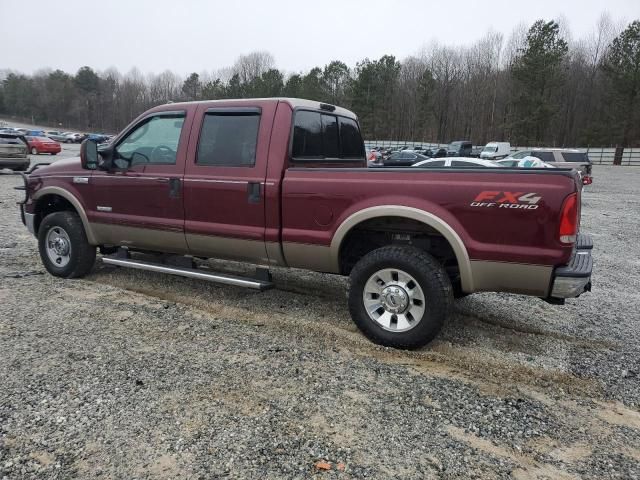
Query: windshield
{"type": "Point", "coordinates": [489, 149]}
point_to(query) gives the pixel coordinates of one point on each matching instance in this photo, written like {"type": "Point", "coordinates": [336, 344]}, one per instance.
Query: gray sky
{"type": "Point", "coordinates": [199, 35]}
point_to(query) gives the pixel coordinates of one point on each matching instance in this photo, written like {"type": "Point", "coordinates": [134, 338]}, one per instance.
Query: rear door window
{"type": "Point", "coordinates": [228, 139]}
{"type": "Point", "coordinates": [437, 163]}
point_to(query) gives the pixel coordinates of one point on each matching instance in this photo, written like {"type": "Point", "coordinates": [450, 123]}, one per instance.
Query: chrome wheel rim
{"type": "Point", "coordinates": [394, 300]}
{"type": "Point", "coordinates": [58, 246]}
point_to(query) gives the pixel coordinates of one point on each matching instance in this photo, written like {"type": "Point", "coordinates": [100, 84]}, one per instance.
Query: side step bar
{"type": "Point", "coordinates": [256, 284]}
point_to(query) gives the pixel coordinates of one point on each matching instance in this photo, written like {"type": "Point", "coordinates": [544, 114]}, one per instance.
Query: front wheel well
{"type": "Point", "coordinates": [49, 204]}
{"type": "Point", "coordinates": [379, 232]}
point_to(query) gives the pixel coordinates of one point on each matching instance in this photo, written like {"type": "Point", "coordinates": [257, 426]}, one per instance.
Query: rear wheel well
{"type": "Point", "coordinates": [382, 231]}
{"type": "Point", "coordinates": [49, 204]}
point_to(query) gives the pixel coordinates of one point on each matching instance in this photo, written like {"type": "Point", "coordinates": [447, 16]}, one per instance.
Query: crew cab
{"type": "Point", "coordinates": [283, 182]}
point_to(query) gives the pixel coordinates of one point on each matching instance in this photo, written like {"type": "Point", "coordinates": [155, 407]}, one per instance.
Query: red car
{"type": "Point", "coordinates": [39, 145]}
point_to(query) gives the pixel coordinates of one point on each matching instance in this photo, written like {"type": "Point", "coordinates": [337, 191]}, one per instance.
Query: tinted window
{"type": "Point", "coordinates": [437, 163]}
{"type": "Point", "coordinates": [228, 139]}
{"type": "Point", "coordinates": [520, 155]}
{"type": "Point", "coordinates": [578, 157]}
{"type": "Point", "coordinates": [544, 156]}
{"type": "Point", "coordinates": [154, 141]}
{"type": "Point", "coordinates": [462, 163]}
{"type": "Point", "coordinates": [330, 136]}
{"type": "Point", "coordinates": [307, 135]}
{"type": "Point", "coordinates": [351, 140]}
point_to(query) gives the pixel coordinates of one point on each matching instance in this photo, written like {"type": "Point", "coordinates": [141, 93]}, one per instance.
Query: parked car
{"type": "Point", "coordinates": [13, 152]}
{"type": "Point", "coordinates": [437, 152]}
{"type": "Point", "coordinates": [97, 137]}
{"type": "Point", "coordinates": [496, 150]}
{"type": "Point", "coordinates": [38, 145]}
{"type": "Point", "coordinates": [456, 162]}
{"type": "Point", "coordinates": [475, 152]}
{"type": "Point", "coordinates": [561, 158]}
{"type": "Point", "coordinates": [374, 158]}
{"type": "Point", "coordinates": [526, 162]}
{"type": "Point", "coordinates": [73, 137]}
{"type": "Point", "coordinates": [403, 159]}
{"type": "Point", "coordinates": [57, 136]}
{"type": "Point", "coordinates": [460, 148]}
{"type": "Point", "coordinates": [35, 133]}
{"type": "Point", "coordinates": [297, 197]}
{"type": "Point", "coordinates": [508, 162]}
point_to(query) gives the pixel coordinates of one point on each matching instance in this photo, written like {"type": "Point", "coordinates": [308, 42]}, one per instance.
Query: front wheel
{"type": "Point", "coordinates": [34, 151]}
{"type": "Point", "coordinates": [399, 296]}
{"type": "Point", "coordinates": [63, 245]}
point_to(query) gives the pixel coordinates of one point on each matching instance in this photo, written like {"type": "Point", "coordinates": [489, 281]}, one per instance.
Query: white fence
{"type": "Point", "coordinates": [598, 156]}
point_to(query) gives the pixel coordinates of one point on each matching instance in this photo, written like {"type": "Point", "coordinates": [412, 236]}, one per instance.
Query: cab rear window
{"type": "Point", "coordinates": [321, 136]}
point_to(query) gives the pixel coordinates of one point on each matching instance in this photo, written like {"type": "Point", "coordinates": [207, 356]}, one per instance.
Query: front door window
{"type": "Point", "coordinates": [153, 142]}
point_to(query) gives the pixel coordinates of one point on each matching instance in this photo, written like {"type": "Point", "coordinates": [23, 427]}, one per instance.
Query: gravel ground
{"type": "Point", "coordinates": [129, 374]}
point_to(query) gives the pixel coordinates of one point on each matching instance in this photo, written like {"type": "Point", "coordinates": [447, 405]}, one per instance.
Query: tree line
{"type": "Point", "coordinates": [537, 87]}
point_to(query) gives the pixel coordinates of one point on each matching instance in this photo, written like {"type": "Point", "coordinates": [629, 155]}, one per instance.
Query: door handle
{"type": "Point", "coordinates": [174, 187]}
{"type": "Point", "coordinates": [162, 180]}
{"type": "Point", "coordinates": [254, 192]}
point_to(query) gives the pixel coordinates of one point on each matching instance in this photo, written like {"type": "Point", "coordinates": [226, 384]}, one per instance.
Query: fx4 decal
{"type": "Point", "coordinates": [495, 199]}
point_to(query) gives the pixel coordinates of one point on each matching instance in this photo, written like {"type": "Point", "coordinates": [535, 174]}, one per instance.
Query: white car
{"type": "Point", "coordinates": [456, 162]}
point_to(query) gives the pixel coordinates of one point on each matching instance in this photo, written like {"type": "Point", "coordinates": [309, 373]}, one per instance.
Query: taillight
{"type": "Point", "coordinates": [587, 180]}
{"type": "Point", "coordinates": [569, 219]}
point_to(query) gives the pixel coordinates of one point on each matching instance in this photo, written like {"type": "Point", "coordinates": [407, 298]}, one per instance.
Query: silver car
{"type": "Point", "coordinates": [13, 152]}
{"type": "Point", "coordinates": [561, 158]}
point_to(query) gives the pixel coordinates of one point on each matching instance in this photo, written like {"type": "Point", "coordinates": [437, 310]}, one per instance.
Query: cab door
{"type": "Point", "coordinates": [224, 184]}
{"type": "Point", "coordinates": [140, 203]}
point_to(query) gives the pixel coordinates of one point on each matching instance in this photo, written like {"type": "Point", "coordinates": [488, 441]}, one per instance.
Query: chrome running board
{"type": "Point", "coordinates": [256, 284]}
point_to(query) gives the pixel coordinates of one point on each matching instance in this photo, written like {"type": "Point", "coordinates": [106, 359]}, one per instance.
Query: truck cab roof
{"type": "Point", "coordinates": [295, 103]}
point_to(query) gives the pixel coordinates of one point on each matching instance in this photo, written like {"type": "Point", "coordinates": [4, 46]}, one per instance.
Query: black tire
{"type": "Point", "coordinates": [431, 278]}
{"type": "Point", "coordinates": [457, 291]}
{"type": "Point", "coordinates": [82, 256]}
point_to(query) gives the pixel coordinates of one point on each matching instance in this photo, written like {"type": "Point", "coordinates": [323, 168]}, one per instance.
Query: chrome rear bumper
{"type": "Point", "coordinates": [574, 279]}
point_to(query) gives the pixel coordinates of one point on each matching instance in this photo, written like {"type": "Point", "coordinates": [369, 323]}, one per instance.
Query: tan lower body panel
{"type": "Point", "coordinates": [143, 238]}
{"type": "Point", "coordinates": [252, 251]}
{"type": "Point", "coordinates": [511, 277]}
{"type": "Point", "coordinates": [310, 257]}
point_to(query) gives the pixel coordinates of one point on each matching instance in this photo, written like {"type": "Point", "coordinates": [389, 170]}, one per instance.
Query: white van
{"type": "Point", "coordinates": [496, 150]}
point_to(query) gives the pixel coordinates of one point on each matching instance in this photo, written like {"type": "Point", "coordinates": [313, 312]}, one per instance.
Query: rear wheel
{"type": "Point", "coordinates": [63, 245]}
{"type": "Point", "coordinates": [400, 296]}
{"type": "Point", "coordinates": [54, 153]}
{"type": "Point", "coordinates": [34, 151]}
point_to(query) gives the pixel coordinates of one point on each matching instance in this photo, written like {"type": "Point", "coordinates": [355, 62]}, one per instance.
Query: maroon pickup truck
{"type": "Point", "coordinates": [284, 182]}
